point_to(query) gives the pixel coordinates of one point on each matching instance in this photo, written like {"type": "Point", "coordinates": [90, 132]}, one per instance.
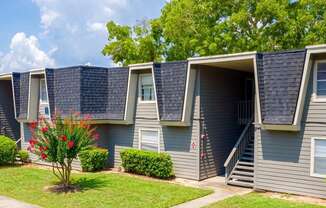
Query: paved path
{"type": "Point", "coordinates": [6, 202]}
{"type": "Point", "coordinates": [221, 191]}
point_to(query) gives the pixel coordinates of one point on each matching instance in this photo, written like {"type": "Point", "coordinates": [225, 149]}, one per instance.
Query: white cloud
{"type": "Point", "coordinates": [96, 27]}
{"type": "Point", "coordinates": [77, 27]}
{"type": "Point", "coordinates": [25, 53]}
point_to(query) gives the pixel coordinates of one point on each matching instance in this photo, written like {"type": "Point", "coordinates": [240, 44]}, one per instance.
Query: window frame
{"type": "Point", "coordinates": [46, 92]}
{"type": "Point", "coordinates": [312, 158]}
{"type": "Point", "coordinates": [315, 97]}
{"type": "Point", "coordinates": [42, 103]}
{"type": "Point", "coordinates": [157, 130]}
{"type": "Point", "coordinates": [140, 88]}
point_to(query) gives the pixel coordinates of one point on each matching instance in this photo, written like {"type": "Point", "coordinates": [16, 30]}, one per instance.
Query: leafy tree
{"type": "Point", "coordinates": [59, 143]}
{"type": "Point", "coordinates": [141, 43]}
{"type": "Point", "coordinates": [204, 27]}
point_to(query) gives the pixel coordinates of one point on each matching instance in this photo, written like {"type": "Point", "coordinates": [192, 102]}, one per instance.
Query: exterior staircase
{"type": "Point", "coordinates": [239, 167]}
{"type": "Point", "coordinates": [243, 172]}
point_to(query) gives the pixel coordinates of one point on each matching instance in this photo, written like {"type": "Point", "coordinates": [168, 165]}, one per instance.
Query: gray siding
{"type": "Point", "coordinates": [220, 93]}
{"type": "Point", "coordinates": [282, 159]}
{"type": "Point", "coordinates": [176, 141]}
{"type": "Point", "coordinates": [8, 124]}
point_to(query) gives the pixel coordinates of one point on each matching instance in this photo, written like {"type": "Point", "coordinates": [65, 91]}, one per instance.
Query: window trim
{"type": "Point", "coordinates": [315, 97]}
{"type": "Point", "coordinates": [149, 129]}
{"type": "Point", "coordinates": [312, 158]}
{"type": "Point", "coordinates": [140, 89]}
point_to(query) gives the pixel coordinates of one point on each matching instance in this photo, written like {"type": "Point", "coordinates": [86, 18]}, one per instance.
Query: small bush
{"type": "Point", "coordinates": [93, 159]}
{"type": "Point", "coordinates": [147, 163]}
{"type": "Point", "coordinates": [23, 155]}
{"type": "Point", "coordinates": [7, 150]}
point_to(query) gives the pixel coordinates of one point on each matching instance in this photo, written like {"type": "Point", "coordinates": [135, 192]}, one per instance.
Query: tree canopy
{"type": "Point", "coordinates": [188, 28]}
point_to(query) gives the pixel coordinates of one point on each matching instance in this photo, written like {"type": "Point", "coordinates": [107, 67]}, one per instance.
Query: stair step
{"type": "Point", "coordinates": [239, 172]}
{"type": "Point", "coordinates": [244, 167]}
{"type": "Point", "coordinates": [241, 183]}
{"type": "Point", "coordinates": [243, 178]}
{"type": "Point", "coordinates": [246, 163]}
{"type": "Point", "coordinates": [247, 158]}
{"type": "Point", "coordinates": [249, 153]}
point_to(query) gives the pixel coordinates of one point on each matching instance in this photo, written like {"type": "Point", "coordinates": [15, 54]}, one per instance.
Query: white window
{"type": "Point", "coordinates": [320, 81]}
{"type": "Point", "coordinates": [146, 88]}
{"type": "Point", "coordinates": [44, 103]}
{"type": "Point", "coordinates": [149, 139]}
{"type": "Point", "coordinates": [43, 92]}
{"type": "Point", "coordinates": [318, 157]}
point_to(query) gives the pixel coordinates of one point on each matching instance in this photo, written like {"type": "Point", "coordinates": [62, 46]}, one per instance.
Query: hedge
{"type": "Point", "coordinates": [158, 165]}
{"type": "Point", "coordinates": [23, 155]}
{"type": "Point", "coordinates": [93, 159]}
{"type": "Point", "coordinates": [7, 150]}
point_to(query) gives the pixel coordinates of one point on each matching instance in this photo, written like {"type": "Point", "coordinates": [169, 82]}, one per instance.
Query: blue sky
{"type": "Point", "coordinates": [54, 33]}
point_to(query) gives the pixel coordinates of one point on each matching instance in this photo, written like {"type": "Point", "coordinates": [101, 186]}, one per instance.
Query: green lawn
{"type": "Point", "coordinates": [255, 200]}
{"type": "Point", "coordinates": [97, 190]}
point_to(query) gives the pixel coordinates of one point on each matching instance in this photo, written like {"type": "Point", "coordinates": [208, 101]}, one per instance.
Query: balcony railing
{"type": "Point", "coordinates": [245, 111]}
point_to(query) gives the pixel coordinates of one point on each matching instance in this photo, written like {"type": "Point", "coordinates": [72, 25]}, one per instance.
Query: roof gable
{"type": "Point", "coordinates": [279, 79]}
{"type": "Point", "coordinates": [21, 92]}
{"type": "Point", "coordinates": [170, 82]}
{"type": "Point", "coordinates": [100, 92]}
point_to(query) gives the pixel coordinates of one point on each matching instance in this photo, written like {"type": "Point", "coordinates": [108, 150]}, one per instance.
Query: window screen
{"type": "Point", "coordinates": [149, 140]}
{"type": "Point", "coordinates": [147, 88]}
{"type": "Point", "coordinates": [320, 157]}
{"type": "Point", "coordinates": [321, 79]}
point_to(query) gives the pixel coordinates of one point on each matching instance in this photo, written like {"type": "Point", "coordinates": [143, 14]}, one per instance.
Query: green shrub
{"type": "Point", "coordinates": [7, 150]}
{"type": "Point", "coordinates": [23, 155]}
{"type": "Point", "coordinates": [93, 159]}
{"type": "Point", "coordinates": [147, 163]}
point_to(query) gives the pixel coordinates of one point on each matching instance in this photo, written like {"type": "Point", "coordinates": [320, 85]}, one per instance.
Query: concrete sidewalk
{"type": "Point", "coordinates": [6, 202]}
{"type": "Point", "coordinates": [221, 191]}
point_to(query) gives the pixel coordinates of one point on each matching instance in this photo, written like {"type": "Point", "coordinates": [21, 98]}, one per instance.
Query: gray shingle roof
{"type": "Point", "coordinates": [279, 78]}
{"type": "Point", "coordinates": [170, 81]}
{"type": "Point", "coordinates": [21, 91]}
{"type": "Point", "coordinates": [100, 92]}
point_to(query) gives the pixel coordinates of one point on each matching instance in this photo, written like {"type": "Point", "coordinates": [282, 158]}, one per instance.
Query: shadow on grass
{"type": "Point", "coordinates": [77, 185]}
{"type": "Point", "coordinates": [85, 184]}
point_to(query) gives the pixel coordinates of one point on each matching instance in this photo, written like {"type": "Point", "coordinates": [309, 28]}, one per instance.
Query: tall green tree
{"type": "Point", "coordinates": [189, 28]}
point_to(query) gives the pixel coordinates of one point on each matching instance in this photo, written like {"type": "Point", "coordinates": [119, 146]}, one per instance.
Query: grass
{"type": "Point", "coordinates": [97, 190]}
{"type": "Point", "coordinates": [255, 200]}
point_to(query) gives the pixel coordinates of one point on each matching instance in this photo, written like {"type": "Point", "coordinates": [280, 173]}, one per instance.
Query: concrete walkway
{"type": "Point", "coordinates": [6, 202]}
{"type": "Point", "coordinates": [221, 191]}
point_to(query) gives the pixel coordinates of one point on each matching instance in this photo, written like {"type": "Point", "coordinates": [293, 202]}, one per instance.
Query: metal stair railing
{"type": "Point", "coordinates": [238, 149]}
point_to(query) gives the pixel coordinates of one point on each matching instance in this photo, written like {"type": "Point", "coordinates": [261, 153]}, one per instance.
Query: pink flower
{"type": "Point", "coordinates": [70, 144]}
{"type": "Point", "coordinates": [88, 117]}
{"type": "Point", "coordinates": [43, 148]}
{"type": "Point", "coordinates": [44, 129]}
{"type": "Point", "coordinates": [33, 125]}
{"type": "Point", "coordinates": [30, 149]}
{"type": "Point", "coordinates": [43, 156]}
{"type": "Point", "coordinates": [32, 142]}
{"type": "Point", "coordinates": [63, 138]}
{"type": "Point", "coordinates": [96, 136]}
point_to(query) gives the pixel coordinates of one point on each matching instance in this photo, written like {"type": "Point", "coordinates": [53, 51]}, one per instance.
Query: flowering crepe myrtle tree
{"type": "Point", "coordinates": [60, 141]}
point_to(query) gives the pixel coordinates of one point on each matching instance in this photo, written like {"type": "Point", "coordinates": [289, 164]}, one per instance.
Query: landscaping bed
{"type": "Point", "coordinates": [98, 190]}
{"type": "Point", "coordinates": [256, 200]}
